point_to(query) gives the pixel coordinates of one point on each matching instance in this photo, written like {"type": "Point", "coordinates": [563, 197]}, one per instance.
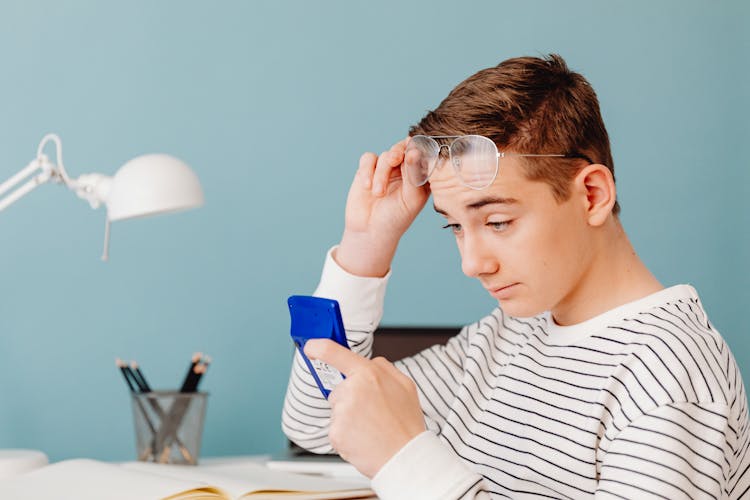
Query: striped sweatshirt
{"type": "Point", "coordinates": [643, 401]}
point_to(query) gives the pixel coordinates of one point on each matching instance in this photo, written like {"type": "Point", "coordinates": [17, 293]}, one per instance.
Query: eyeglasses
{"type": "Point", "coordinates": [475, 158]}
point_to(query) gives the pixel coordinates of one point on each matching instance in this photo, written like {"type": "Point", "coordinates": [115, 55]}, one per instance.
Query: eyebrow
{"type": "Point", "coordinates": [492, 200]}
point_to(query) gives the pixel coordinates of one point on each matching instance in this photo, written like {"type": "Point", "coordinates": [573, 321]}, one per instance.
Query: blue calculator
{"type": "Point", "coordinates": [317, 318]}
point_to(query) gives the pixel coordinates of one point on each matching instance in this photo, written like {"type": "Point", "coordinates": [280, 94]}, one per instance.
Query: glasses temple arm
{"type": "Point", "coordinates": [580, 156]}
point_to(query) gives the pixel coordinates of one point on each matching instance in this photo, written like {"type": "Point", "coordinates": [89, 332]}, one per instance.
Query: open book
{"type": "Point", "coordinates": [83, 479]}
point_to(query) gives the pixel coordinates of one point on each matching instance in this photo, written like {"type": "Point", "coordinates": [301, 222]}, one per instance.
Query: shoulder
{"type": "Point", "coordinates": [675, 370]}
{"type": "Point", "coordinates": [674, 353]}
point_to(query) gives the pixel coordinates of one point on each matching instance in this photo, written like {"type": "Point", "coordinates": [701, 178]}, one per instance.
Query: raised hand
{"type": "Point", "coordinates": [380, 207]}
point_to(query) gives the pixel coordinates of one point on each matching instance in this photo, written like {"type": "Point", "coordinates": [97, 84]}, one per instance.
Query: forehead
{"type": "Point", "coordinates": [511, 183]}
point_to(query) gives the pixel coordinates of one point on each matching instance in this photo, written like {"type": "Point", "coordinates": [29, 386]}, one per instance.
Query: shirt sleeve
{"type": "Point", "coordinates": [676, 451]}
{"type": "Point", "coordinates": [425, 468]}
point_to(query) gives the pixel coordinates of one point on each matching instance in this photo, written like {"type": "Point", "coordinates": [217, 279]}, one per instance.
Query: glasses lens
{"type": "Point", "coordinates": [475, 159]}
{"type": "Point", "coordinates": [420, 158]}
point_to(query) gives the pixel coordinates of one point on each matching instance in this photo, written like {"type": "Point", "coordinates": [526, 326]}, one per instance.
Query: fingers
{"type": "Point", "coordinates": [386, 162]}
{"type": "Point", "coordinates": [366, 167]}
{"type": "Point", "coordinates": [341, 358]}
{"type": "Point", "coordinates": [376, 171]}
{"type": "Point", "coordinates": [400, 146]}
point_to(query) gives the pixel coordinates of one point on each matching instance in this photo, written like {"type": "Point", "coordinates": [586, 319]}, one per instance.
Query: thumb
{"type": "Point", "coordinates": [338, 356]}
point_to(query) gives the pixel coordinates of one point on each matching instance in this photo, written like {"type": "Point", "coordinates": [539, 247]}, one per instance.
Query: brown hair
{"type": "Point", "coordinates": [529, 105]}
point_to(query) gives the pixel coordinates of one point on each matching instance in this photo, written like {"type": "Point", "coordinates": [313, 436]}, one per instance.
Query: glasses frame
{"type": "Point", "coordinates": [499, 154]}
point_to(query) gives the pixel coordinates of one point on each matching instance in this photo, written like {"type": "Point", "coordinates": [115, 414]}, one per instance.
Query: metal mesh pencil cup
{"type": "Point", "coordinates": [169, 426]}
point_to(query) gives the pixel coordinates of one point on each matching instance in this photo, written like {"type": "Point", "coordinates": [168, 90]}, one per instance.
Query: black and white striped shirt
{"type": "Point", "coordinates": [643, 401]}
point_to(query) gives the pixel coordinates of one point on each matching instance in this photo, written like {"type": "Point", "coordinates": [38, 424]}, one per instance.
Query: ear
{"type": "Point", "coordinates": [597, 186]}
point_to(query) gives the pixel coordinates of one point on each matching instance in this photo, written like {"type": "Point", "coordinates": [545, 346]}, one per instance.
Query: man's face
{"type": "Point", "coordinates": [529, 251]}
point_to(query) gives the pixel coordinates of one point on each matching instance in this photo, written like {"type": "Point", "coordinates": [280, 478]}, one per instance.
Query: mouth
{"type": "Point", "coordinates": [503, 292]}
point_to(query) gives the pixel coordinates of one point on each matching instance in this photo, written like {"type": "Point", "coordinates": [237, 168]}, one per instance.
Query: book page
{"type": "Point", "coordinates": [240, 479]}
{"type": "Point", "coordinates": [82, 479]}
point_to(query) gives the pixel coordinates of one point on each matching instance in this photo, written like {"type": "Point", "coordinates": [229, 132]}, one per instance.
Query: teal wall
{"type": "Point", "coordinates": [272, 104]}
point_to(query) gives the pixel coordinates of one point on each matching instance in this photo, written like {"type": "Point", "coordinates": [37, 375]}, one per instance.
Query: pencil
{"type": "Point", "coordinates": [188, 380]}
{"type": "Point", "coordinates": [203, 368]}
{"type": "Point", "coordinates": [128, 374]}
{"type": "Point", "coordinates": [139, 376]}
{"type": "Point", "coordinates": [124, 369]}
{"type": "Point", "coordinates": [189, 385]}
{"type": "Point", "coordinates": [173, 421]}
{"type": "Point", "coordinates": [199, 371]}
{"type": "Point", "coordinates": [180, 409]}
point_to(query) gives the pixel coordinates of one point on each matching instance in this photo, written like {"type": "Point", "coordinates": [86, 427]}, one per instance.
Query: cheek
{"type": "Point", "coordinates": [560, 256]}
{"type": "Point", "coordinates": [546, 250]}
{"type": "Point", "coordinates": [534, 245]}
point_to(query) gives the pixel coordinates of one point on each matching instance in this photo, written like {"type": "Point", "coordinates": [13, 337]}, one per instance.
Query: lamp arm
{"type": "Point", "coordinates": [49, 172]}
{"type": "Point", "coordinates": [25, 172]}
{"type": "Point", "coordinates": [24, 189]}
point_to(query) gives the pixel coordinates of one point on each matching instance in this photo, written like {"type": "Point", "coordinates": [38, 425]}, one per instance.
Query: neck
{"type": "Point", "coordinates": [615, 276]}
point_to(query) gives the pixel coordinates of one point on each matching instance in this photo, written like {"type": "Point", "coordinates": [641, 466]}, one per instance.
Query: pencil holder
{"type": "Point", "coordinates": [169, 426]}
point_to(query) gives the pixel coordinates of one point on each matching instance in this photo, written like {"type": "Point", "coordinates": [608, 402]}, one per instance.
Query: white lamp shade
{"type": "Point", "coordinates": [152, 184]}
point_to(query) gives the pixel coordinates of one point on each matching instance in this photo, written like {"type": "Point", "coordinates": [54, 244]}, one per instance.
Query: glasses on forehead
{"type": "Point", "coordinates": [475, 158]}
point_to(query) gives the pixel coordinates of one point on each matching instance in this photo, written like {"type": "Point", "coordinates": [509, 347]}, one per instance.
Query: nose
{"type": "Point", "coordinates": [477, 257]}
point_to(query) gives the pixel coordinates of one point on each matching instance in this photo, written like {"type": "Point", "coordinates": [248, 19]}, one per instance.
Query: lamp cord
{"type": "Point", "coordinates": [105, 252]}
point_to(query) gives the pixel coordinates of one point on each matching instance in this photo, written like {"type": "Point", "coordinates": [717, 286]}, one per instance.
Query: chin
{"type": "Point", "coordinates": [520, 309]}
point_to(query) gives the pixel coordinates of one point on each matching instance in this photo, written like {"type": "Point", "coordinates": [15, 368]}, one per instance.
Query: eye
{"type": "Point", "coordinates": [499, 226]}
{"type": "Point", "coordinates": [455, 228]}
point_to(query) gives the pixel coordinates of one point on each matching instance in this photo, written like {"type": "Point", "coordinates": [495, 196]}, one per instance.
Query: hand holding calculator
{"type": "Point", "coordinates": [317, 318]}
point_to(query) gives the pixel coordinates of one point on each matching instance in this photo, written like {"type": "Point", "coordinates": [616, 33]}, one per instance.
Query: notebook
{"type": "Point", "coordinates": [83, 479]}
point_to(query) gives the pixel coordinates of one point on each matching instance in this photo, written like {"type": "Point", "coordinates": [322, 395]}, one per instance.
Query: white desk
{"type": "Point", "coordinates": [16, 462]}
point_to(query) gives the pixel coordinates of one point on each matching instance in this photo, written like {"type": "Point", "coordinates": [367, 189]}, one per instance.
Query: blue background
{"type": "Point", "coordinates": [272, 104]}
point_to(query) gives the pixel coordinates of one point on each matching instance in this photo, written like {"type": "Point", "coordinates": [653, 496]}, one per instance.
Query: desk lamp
{"type": "Point", "coordinates": [147, 185]}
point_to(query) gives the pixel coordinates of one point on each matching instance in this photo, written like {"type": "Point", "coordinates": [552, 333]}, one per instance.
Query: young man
{"type": "Point", "coordinates": [589, 380]}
